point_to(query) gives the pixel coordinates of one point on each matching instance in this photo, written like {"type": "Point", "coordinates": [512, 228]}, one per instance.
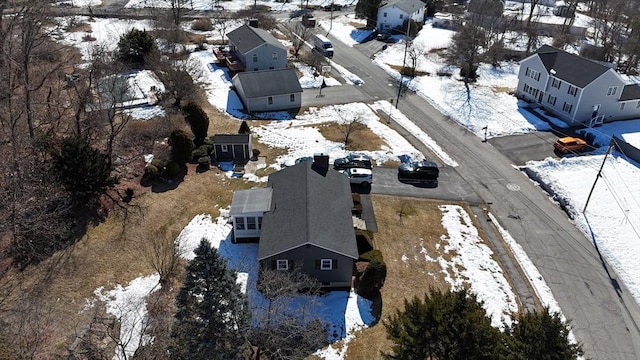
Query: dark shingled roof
{"type": "Point", "coordinates": [308, 207]}
{"type": "Point", "coordinates": [247, 38]}
{"type": "Point", "coordinates": [231, 138]}
{"type": "Point", "coordinates": [630, 92]}
{"type": "Point", "coordinates": [269, 82]}
{"type": "Point", "coordinates": [571, 68]}
{"type": "Point", "coordinates": [408, 6]}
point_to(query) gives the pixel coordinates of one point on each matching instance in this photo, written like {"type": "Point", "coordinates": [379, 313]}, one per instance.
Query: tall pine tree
{"type": "Point", "coordinates": [451, 325]}
{"type": "Point", "coordinates": [543, 336]}
{"type": "Point", "coordinates": [212, 313]}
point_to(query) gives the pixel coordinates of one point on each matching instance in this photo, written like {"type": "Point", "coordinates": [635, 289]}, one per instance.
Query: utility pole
{"type": "Point", "coordinates": [611, 145]}
{"type": "Point", "coordinates": [331, 19]}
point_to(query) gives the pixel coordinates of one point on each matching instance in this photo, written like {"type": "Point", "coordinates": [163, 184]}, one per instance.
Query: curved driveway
{"type": "Point", "coordinates": [603, 313]}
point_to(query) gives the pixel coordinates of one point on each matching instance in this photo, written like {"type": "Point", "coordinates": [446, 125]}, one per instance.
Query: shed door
{"type": "Point", "coordinates": [238, 152]}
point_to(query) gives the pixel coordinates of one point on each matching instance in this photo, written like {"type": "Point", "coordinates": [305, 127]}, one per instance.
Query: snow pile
{"type": "Point", "coordinates": [309, 81]}
{"type": "Point", "coordinates": [472, 264]}
{"type": "Point", "coordinates": [128, 306]}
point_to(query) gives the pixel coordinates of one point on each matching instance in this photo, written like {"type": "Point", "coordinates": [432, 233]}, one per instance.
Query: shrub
{"type": "Point", "coordinates": [198, 120]}
{"type": "Point", "coordinates": [255, 153]}
{"type": "Point", "coordinates": [172, 169]}
{"type": "Point", "coordinates": [181, 146]}
{"type": "Point", "coordinates": [244, 128]}
{"type": "Point", "coordinates": [151, 171]}
{"type": "Point", "coordinates": [372, 255]}
{"type": "Point", "coordinates": [372, 279]}
{"type": "Point", "coordinates": [198, 153]}
{"type": "Point", "coordinates": [203, 24]}
{"type": "Point", "coordinates": [204, 162]}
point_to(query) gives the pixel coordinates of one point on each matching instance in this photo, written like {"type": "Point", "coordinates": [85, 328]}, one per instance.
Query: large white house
{"type": "Point", "coordinates": [394, 13]}
{"type": "Point", "coordinates": [577, 90]}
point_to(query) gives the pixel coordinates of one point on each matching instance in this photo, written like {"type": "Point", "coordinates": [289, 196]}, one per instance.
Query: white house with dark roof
{"type": "Point", "coordinates": [271, 90]}
{"type": "Point", "coordinates": [394, 14]}
{"type": "Point", "coordinates": [303, 220]}
{"type": "Point", "coordinates": [577, 90]}
{"type": "Point", "coordinates": [257, 49]}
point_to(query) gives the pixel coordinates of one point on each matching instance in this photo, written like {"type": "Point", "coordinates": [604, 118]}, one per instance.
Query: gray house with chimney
{"type": "Point", "coordinates": [257, 49]}
{"type": "Point", "coordinates": [577, 90]}
{"type": "Point", "coordinates": [271, 90]}
{"type": "Point", "coordinates": [306, 223]}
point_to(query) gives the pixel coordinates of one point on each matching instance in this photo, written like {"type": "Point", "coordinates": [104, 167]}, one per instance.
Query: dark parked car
{"type": "Point", "coordinates": [353, 161]}
{"type": "Point", "coordinates": [425, 172]}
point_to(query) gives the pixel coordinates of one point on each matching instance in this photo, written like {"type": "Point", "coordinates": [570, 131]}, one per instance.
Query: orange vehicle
{"type": "Point", "coordinates": [569, 144]}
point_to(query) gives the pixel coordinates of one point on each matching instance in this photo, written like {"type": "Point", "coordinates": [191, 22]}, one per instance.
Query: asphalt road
{"type": "Point", "coordinates": [604, 315]}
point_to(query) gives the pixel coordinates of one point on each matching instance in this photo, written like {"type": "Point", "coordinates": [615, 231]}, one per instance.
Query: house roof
{"type": "Point", "coordinates": [251, 201]}
{"type": "Point", "coordinates": [571, 68]}
{"type": "Point", "coordinates": [309, 205]}
{"type": "Point", "coordinates": [247, 38]}
{"type": "Point", "coordinates": [231, 138]}
{"type": "Point", "coordinates": [630, 92]}
{"type": "Point", "coordinates": [408, 6]}
{"type": "Point", "coordinates": [269, 82]}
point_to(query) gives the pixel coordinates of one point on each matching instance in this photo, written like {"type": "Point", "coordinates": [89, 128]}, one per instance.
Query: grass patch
{"type": "Point", "coordinates": [360, 139]}
{"type": "Point", "coordinates": [402, 236]}
{"type": "Point", "coordinates": [503, 89]}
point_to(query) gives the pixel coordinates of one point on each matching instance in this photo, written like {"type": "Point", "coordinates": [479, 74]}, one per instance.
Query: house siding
{"type": "Point", "coordinates": [575, 109]}
{"type": "Point", "coordinates": [338, 277]}
{"type": "Point", "coordinates": [280, 102]}
{"type": "Point", "coordinates": [265, 59]}
{"type": "Point", "coordinates": [392, 20]}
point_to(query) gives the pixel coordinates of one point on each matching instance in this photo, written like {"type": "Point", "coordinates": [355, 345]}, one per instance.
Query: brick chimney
{"type": "Point", "coordinates": [320, 163]}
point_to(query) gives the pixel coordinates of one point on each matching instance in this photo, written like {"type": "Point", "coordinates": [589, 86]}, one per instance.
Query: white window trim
{"type": "Point", "coordinates": [612, 90]}
{"type": "Point", "coordinates": [224, 148]}
{"type": "Point", "coordinates": [324, 262]}
{"type": "Point", "coordinates": [282, 264]}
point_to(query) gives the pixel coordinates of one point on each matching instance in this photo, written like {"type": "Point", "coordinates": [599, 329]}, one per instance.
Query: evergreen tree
{"type": "Point", "coordinates": [134, 45]}
{"type": "Point", "coordinates": [198, 121]}
{"type": "Point", "coordinates": [212, 313]}
{"type": "Point", "coordinates": [543, 336]}
{"type": "Point", "coordinates": [181, 146]}
{"type": "Point", "coordinates": [244, 128]}
{"type": "Point", "coordinates": [443, 326]}
{"type": "Point", "coordinates": [84, 171]}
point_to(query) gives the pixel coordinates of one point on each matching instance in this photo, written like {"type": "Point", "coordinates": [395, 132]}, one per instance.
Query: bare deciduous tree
{"type": "Point", "coordinates": [298, 34]}
{"type": "Point", "coordinates": [348, 126]}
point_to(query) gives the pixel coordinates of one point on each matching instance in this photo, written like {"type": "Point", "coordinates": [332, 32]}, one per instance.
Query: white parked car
{"type": "Point", "coordinates": [359, 176]}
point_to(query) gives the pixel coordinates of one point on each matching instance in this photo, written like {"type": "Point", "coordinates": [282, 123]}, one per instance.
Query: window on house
{"type": "Point", "coordinates": [282, 264]}
{"type": "Point", "coordinates": [556, 83]}
{"type": "Point", "coordinates": [567, 107]}
{"type": "Point", "coordinates": [292, 97]}
{"type": "Point", "coordinates": [612, 90]}
{"type": "Point", "coordinates": [638, 105]}
{"type": "Point", "coordinates": [270, 100]}
{"type": "Point", "coordinates": [572, 90]}
{"type": "Point", "coordinates": [551, 100]}
{"type": "Point", "coordinates": [401, 15]}
{"type": "Point", "coordinates": [274, 56]}
{"type": "Point", "coordinates": [622, 106]}
{"type": "Point", "coordinates": [251, 223]}
{"type": "Point", "coordinates": [384, 14]}
{"type": "Point", "coordinates": [535, 75]}
{"type": "Point", "coordinates": [326, 264]}
{"type": "Point", "coordinates": [259, 222]}
{"type": "Point", "coordinates": [239, 223]}
{"type": "Point", "coordinates": [224, 148]}
{"type": "Point", "coordinates": [255, 57]}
